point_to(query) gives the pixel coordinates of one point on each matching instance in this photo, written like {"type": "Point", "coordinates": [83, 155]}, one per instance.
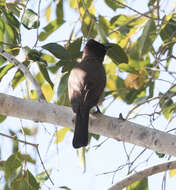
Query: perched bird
{"type": "Point", "coordinates": [86, 84]}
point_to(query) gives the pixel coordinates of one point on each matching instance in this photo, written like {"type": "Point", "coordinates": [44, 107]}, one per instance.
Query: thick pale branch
{"type": "Point", "coordinates": [103, 125]}
{"type": "Point", "coordinates": [128, 180]}
{"type": "Point", "coordinates": [25, 71]}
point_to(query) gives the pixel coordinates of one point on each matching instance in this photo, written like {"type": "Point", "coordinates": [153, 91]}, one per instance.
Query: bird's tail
{"type": "Point", "coordinates": [80, 138]}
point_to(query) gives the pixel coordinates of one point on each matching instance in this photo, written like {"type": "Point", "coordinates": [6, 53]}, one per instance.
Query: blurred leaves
{"type": "Point", "coordinates": [30, 19]}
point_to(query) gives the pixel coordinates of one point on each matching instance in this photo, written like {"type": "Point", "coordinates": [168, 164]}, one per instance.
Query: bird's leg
{"type": "Point", "coordinates": [98, 110]}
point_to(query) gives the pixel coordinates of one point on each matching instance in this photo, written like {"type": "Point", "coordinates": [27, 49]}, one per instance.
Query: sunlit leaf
{"type": "Point", "coordinates": [5, 69]}
{"type": "Point", "coordinates": [133, 81]}
{"type": "Point", "coordinates": [47, 91]}
{"type": "Point", "coordinates": [48, 58]}
{"type": "Point", "coordinates": [48, 12]}
{"type": "Point", "coordinates": [60, 135]}
{"type": "Point", "coordinates": [2, 118]}
{"type": "Point", "coordinates": [172, 173]}
{"type": "Point", "coordinates": [114, 5]}
{"type": "Point", "coordinates": [40, 79]}
{"type": "Point", "coordinates": [30, 19]}
{"type": "Point", "coordinates": [50, 28]}
{"type": "Point", "coordinates": [19, 77]}
{"type": "Point", "coordinates": [111, 76]}
{"type": "Point", "coordinates": [42, 177]}
{"type": "Point", "coordinates": [45, 74]}
{"type": "Point", "coordinates": [33, 95]}
{"type": "Point", "coordinates": [73, 4]}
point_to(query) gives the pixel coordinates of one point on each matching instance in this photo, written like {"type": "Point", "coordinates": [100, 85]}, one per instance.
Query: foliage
{"type": "Point", "coordinates": [133, 65]}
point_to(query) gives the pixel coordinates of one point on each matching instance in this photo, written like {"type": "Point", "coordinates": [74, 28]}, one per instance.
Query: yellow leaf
{"type": "Point", "coordinates": [172, 173]}
{"type": "Point", "coordinates": [33, 95]}
{"type": "Point", "coordinates": [48, 13]}
{"type": "Point", "coordinates": [60, 135]}
{"type": "Point", "coordinates": [47, 91]}
{"type": "Point", "coordinates": [111, 76]}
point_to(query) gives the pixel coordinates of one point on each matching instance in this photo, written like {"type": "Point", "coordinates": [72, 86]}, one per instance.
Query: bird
{"type": "Point", "coordinates": [86, 85]}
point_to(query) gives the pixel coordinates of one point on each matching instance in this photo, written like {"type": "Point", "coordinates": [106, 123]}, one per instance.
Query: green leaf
{"type": "Point", "coordinates": [64, 187]}
{"type": "Point", "coordinates": [19, 77]}
{"type": "Point", "coordinates": [57, 50]}
{"type": "Point", "coordinates": [59, 10]}
{"type": "Point", "coordinates": [169, 30]}
{"type": "Point", "coordinates": [48, 58]}
{"type": "Point", "coordinates": [2, 118]}
{"type": "Point", "coordinates": [114, 5]}
{"type": "Point", "coordinates": [5, 69]}
{"type": "Point", "coordinates": [25, 182]}
{"type": "Point", "coordinates": [2, 28]}
{"type": "Point", "coordinates": [74, 49]}
{"type": "Point", "coordinates": [147, 38]}
{"type": "Point", "coordinates": [30, 131]}
{"type": "Point", "coordinates": [151, 2]}
{"type": "Point", "coordinates": [9, 35]}
{"type": "Point", "coordinates": [15, 142]}
{"type": "Point", "coordinates": [40, 79]}
{"type": "Point", "coordinates": [50, 28]}
{"type": "Point", "coordinates": [101, 33]}
{"type": "Point", "coordinates": [14, 175]}
{"type": "Point", "coordinates": [45, 74]}
{"type": "Point", "coordinates": [34, 54]}
{"type": "Point", "coordinates": [167, 105]}
{"type": "Point", "coordinates": [117, 54]}
{"type": "Point", "coordinates": [62, 89]}
{"type": "Point", "coordinates": [120, 20]}
{"type": "Point", "coordinates": [139, 185]}
{"type": "Point", "coordinates": [42, 177]}
{"type": "Point", "coordinates": [30, 19]}
{"type": "Point", "coordinates": [11, 164]}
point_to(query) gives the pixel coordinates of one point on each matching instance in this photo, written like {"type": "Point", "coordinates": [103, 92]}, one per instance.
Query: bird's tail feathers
{"type": "Point", "coordinates": [80, 138]}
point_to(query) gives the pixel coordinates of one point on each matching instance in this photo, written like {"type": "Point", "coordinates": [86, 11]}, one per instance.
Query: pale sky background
{"type": "Point", "coordinates": [63, 158]}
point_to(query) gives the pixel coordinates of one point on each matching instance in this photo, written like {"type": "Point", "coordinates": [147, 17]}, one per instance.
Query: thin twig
{"type": "Point", "coordinates": [44, 165]}
{"type": "Point", "coordinates": [25, 71]}
{"type": "Point", "coordinates": [39, 4]}
{"type": "Point", "coordinates": [169, 165]}
{"type": "Point", "coordinates": [16, 139]}
{"type": "Point", "coordinates": [34, 145]}
{"type": "Point", "coordinates": [143, 14]}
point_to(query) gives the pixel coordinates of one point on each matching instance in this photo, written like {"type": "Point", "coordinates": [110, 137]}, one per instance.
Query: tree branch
{"type": "Point", "coordinates": [25, 71]}
{"type": "Point", "coordinates": [130, 179]}
{"type": "Point", "coordinates": [118, 129]}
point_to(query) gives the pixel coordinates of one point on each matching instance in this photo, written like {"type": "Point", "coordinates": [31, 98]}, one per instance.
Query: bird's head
{"type": "Point", "coordinates": [95, 48]}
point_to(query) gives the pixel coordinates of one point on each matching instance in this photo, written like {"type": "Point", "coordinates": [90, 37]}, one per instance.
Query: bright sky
{"type": "Point", "coordinates": [64, 158]}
